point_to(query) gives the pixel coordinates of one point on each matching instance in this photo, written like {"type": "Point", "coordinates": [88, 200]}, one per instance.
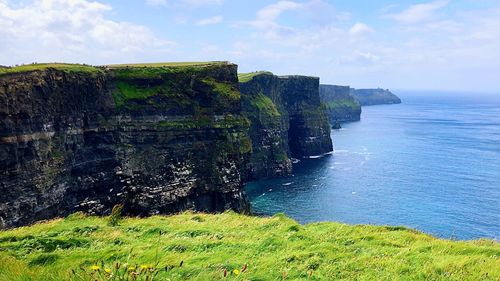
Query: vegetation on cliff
{"type": "Point", "coordinates": [246, 77]}
{"type": "Point", "coordinates": [43, 66]}
{"type": "Point", "coordinates": [340, 104]}
{"type": "Point", "coordinates": [170, 86]}
{"type": "Point", "coordinates": [207, 247]}
{"type": "Point", "coordinates": [375, 96]}
{"type": "Point", "coordinates": [343, 104]}
{"type": "Point", "coordinates": [158, 138]}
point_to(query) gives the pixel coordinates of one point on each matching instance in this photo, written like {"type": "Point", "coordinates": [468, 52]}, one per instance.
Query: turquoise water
{"type": "Point", "coordinates": [429, 164]}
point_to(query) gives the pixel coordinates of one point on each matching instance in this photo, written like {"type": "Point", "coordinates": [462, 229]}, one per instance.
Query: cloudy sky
{"type": "Point", "coordinates": [400, 44]}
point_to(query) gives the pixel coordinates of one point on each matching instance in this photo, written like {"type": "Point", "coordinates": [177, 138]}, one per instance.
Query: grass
{"type": "Point", "coordinates": [264, 105]}
{"type": "Point", "coordinates": [223, 89]}
{"type": "Point", "coordinates": [43, 66]}
{"type": "Point", "coordinates": [246, 77]}
{"type": "Point", "coordinates": [93, 69]}
{"type": "Point", "coordinates": [206, 247]}
{"type": "Point", "coordinates": [142, 83]}
{"type": "Point", "coordinates": [344, 103]}
{"type": "Point", "coordinates": [167, 64]}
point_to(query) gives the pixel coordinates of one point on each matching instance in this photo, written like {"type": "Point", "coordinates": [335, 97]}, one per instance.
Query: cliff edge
{"type": "Point", "coordinates": [375, 97]}
{"type": "Point", "coordinates": [157, 138]}
{"type": "Point", "coordinates": [288, 121]}
{"type": "Point", "coordinates": [340, 104]}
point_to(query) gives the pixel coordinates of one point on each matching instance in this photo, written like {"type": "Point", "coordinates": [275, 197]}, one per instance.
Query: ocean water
{"type": "Point", "coordinates": [429, 164]}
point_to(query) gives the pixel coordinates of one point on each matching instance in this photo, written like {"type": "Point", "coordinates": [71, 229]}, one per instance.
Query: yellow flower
{"type": "Point", "coordinates": [132, 268]}
{"type": "Point", "coordinates": [95, 268]}
{"type": "Point", "coordinates": [146, 266]}
{"type": "Point", "coordinates": [107, 270]}
{"type": "Point", "coordinates": [236, 272]}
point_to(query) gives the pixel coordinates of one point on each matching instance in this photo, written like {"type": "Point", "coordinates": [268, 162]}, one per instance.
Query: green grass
{"type": "Point", "coordinates": [223, 89]}
{"type": "Point", "coordinates": [201, 247]}
{"type": "Point", "coordinates": [43, 66]}
{"type": "Point", "coordinates": [168, 64]}
{"type": "Point", "coordinates": [265, 105]}
{"type": "Point", "coordinates": [344, 103]}
{"type": "Point", "coordinates": [139, 67]}
{"type": "Point", "coordinates": [246, 77]}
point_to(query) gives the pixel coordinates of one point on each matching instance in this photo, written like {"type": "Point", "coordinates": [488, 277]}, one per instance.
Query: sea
{"type": "Point", "coordinates": [431, 163]}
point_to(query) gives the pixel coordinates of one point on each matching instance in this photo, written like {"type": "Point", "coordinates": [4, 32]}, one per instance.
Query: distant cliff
{"type": "Point", "coordinates": [288, 120]}
{"type": "Point", "coordinates": [375, 96]}
{"type": "Point", "coordinates": [157, 138]}
{"type": "Point", "coordinates": [341, 105]}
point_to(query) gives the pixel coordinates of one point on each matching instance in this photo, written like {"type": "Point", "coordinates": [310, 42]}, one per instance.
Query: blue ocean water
{"type": "Point", "coordinates": [429, 164]}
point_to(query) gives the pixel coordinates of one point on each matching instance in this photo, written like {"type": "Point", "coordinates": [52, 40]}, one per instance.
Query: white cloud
{"type": "Point", "coordinates": [267, 16]}
{"type": "Point", "coordinates": [210, 21]}
{"type": "Point", "coordinates": [186, 3]}
{"type": "Point", "coordinates": [156, 2]}
{"type": "Point", "coordinates": [70, 30]}
{"type": "Point", "coordinates": [419, 12]}
{"type": "Point", "coordinates": [360, 28]}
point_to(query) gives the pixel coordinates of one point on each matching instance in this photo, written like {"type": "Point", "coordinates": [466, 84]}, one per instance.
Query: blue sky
{"type": "Point", "coordinates": [431, 44]}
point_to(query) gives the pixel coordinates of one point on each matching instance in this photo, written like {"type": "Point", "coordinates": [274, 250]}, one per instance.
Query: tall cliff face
{"type": "Point", "coordinates": [340, 104]}
{"type": "Point", "coordinates": [375, 96]}
{"type": "Point", "coordinates": [264, 106]}
{"type": "Point", "coordinates": [157, 139]}
{"type": "Point", "coordinates": [288, 120]}
{"type": "Point", "coordinates": [309, 132]}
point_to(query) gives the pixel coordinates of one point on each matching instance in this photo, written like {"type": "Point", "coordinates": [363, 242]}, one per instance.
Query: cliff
{"type": "Point", "coordinates": [309, 132]}
{"type": "Point", "coordinates": [288, 120]}
{"type": "Point", "coordinates": [375, 96]}
{"type": "Point", "coordinates": [340, 104]}
{"type": "Point", "coordinates": [158, 138]}
{"type": "Point", "coordinates": [264, 106]}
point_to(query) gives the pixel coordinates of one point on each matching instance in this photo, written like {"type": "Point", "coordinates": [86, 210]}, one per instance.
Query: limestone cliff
{"type": "Point", "coordinates": [288, 120]}
{"type": "Point", "coordinates": [340, 104]}
{"type": "Point", "coordinates": [375, 96]}
{"type": "Point", "coordinates": [309, 132]}
{"type": "Point", "coordinates": [158, 139]}
{"type": "Point", "coordinates": [264, 106]}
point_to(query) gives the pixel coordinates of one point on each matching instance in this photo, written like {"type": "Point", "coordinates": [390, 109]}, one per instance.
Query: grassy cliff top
{"type": "Point", "coordinates": [43, 66]}
{"type": "Point", "coordinates": [245, 77]}
{"type": "Point", "coordinates": [95, 69]}
{"type": "Point", "coordinates": [207, 247]}
{"type": "Point", "coordinates": [168, 64]}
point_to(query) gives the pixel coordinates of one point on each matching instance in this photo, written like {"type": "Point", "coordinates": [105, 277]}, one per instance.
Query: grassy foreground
{"type": "Point", "coordinates": [207, 247]}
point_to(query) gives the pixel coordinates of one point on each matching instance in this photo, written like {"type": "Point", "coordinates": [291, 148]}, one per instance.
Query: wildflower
{"type": "Point", "coordinates": [131, 268]}
{"type": "Point", "coordinates": [107, 270]}
{"type": "Point", "coordinates": [146, 266]}
{"type": "Point", "coordinates": [95, 267]}
{"type": "Point", "coordinates": [236, 272]}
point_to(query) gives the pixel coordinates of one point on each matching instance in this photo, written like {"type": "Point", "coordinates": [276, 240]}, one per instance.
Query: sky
{"type": "Point", "coordinates": [448, 45]}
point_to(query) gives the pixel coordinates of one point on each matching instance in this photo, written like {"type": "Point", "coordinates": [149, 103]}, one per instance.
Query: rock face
{"type": "Point", "coordinates": [309, 133]}
{"type": "Point", "coordinates": [157, 139]}
{"type": "Point", "coordinates": [375, 96]}
{"type": "Point", "coordinates": [264, 106]}
{"type": "Point", "coordinates": [288, 120]}
{"type": "Point", "coordinates": [341, 105]}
